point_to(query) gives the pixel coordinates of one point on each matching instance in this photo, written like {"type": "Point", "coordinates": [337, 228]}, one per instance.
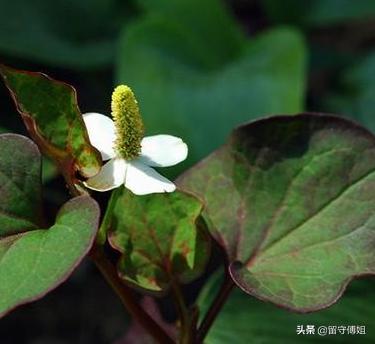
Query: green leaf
{"type": "Point", "coordinates": [161, 238]}
{"type": "Point", "coordinates": [196, 75]}
{"type": "Point", "coordinates": [35, 262]}
{"type": "Point", "coordinates": [318, 12]}
{"type": "Point", "coordinates": [49, 170]}
{"type": "Point", "coordinates": [75, 34]}
{"type": "Point", "coordinates": [356, 96]}
{"type": "Point", "coordinates": [291, 201]}
{"type": "Point", "coordinates": [246, 320]}
{"type": "Point", "coordinates": [20, 196]}
{"type": "Point", "coordinates": [32, 260]}
{"type": "Point", "coordinates": [50, 111]}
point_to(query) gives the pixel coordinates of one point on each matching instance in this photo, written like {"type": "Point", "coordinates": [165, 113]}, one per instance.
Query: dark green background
{"type": "Point", "coordinates": [198, 68]}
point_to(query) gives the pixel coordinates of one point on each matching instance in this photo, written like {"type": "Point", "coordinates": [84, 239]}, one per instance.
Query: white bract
{"type": "Point", "coordinates": [136, 174]}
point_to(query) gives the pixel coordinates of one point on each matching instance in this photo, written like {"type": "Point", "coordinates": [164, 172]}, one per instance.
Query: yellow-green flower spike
{"type": "Point", "coordinates": [128, 123]}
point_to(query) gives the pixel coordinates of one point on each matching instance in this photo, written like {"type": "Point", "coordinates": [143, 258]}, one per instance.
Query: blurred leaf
{"type": "Point", "coordinates": [20, 196]}
{"type": "Point", "coordinates": [49, 170]}
{"type": "Point", "coordinates": [291, 201]}
{"type": "Point", "coordinates": [75, 34]}
{"type": "Point", "coordinates": [247, 320]}
{"type": "Point", "coordinates": [202, 26]}
{"type": "Point", "coordinates": [50, 112]}
{"type": "Point", "coordinates": [160, 5]}
{"type": "Point", "coordinates": [35, 262]}
{"type": "Point", "coordinates": [160, 238]}
{"type": "Point", "coordinates": [356, 97]}
{"type": "Point", "coordinates": [318, 12]}
{"type": "Point", "coordinates": [197, 76]}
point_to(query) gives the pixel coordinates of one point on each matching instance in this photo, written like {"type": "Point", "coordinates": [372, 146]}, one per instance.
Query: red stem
{"type": "Point", "coordinates": [125, 294]}
{"type": "Point", "coordinates": [215, 308]}
{"type": "Point", "coordinates": [127, 297]}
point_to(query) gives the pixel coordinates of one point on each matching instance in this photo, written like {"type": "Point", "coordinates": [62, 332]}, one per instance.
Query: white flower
{"type": "Point", "coordinates": [137, 175]}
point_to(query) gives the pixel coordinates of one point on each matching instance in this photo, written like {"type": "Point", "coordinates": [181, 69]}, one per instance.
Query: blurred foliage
{"type": "Point", "coordinates": [197, 76]}
{"type": "Point", "coordinates": [355, 95]}
{"type": "Point", "coordinates": [341, 36]}
{"type": "Point", "coordinates": [49, 170]}
{"type": "Point", "coordinates": [67, 33]}
{"type": "Point", "coordinates": [318, 12]}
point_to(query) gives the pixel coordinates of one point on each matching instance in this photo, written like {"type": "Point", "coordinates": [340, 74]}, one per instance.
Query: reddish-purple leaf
{"type": "Point", "coordinates": [291, 199]}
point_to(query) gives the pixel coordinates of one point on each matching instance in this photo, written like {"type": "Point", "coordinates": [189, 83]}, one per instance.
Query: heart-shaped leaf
{"type": "Point", "coordinates": [246, 320]}
{"type": "Point", "coordinates": [20, 196]}
{"type": "Point", "coordinates": [291, 200]}
{"type": "Point", "coordinates": [51, 114]}
{"type": "Point", "coordinates": [196, 75]}
{"type": "Point", "coordinates": [161, 238]}
{"type": "Point", "coordinates": [33, 261]}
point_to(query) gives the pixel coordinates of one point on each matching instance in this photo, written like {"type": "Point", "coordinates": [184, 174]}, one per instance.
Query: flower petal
{"type": "Point", "coordinates": [111, 176]}
{"type": "Point", "coordinates": [143, 180]}
{"type": "Point", "coordinates": [163, 150]}
{"type": "Point", "coordinates": [102, 135]}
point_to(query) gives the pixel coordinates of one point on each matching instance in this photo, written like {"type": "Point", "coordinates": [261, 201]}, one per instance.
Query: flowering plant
{"type": "Point", "coordinates": [288, 201]}
{"type": "Point", "coordinates": [131, 154]}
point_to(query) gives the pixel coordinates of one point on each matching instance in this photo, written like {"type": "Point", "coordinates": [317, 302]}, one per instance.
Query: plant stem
{"type": "Point", "coordinates": [186, 331]}
{"type": "Point", "coordinates": [106, 222]}
{"type": "Point", "coordinates": [109, 272]}
{"type": "Point", "coordinates": [127, 297]}
{"type": "Point", "coordinates": [215, 308]}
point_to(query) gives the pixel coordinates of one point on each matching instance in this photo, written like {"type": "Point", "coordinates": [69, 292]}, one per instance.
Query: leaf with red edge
{"type": "Point", "coordinates": [50, 112]}
{"type": "Point", "coordinates": [20, 184]}
{"type": "Point", "coordinates": [34, 261]}
{"type": "Point", "coordinates": [291, 199]}
{"type": "Point", "coordinates": [161, 238]}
